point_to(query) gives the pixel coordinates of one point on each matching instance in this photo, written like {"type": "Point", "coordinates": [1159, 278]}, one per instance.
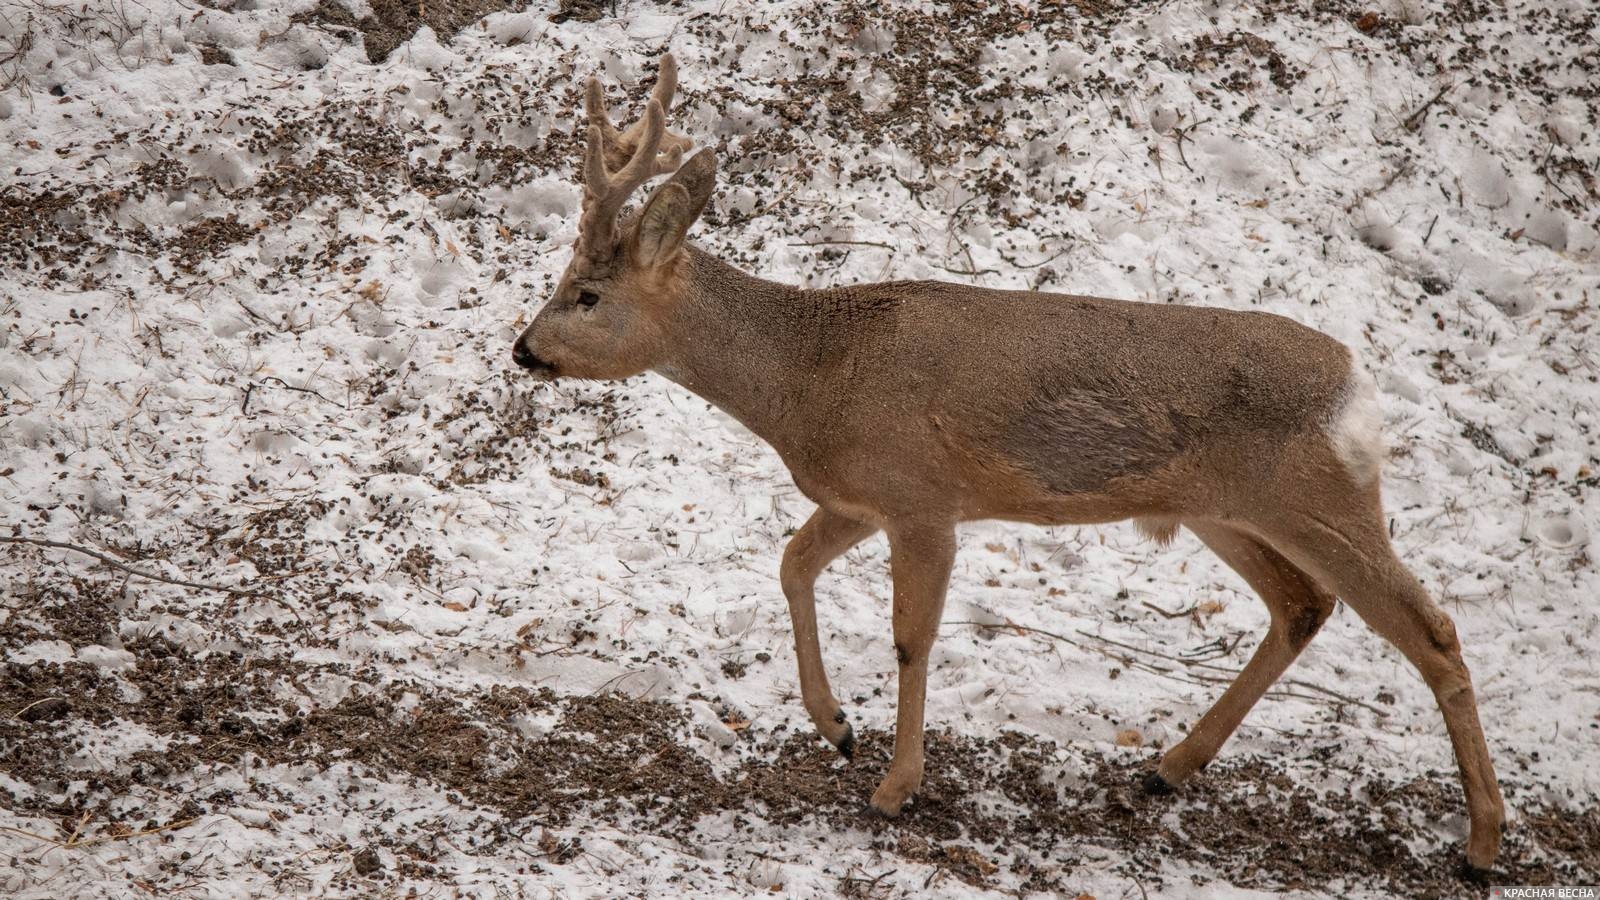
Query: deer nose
{"type": "Point", "coordinates": [522, 356]}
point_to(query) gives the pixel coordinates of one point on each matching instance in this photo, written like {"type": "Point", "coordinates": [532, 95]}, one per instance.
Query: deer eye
{"type": "Point", "coordinates": [588, 298]}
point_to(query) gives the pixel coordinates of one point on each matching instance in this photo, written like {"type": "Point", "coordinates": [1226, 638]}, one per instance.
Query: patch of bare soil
{"type": "Point", "coordinates": [1016, 806]}
{"type": "Point", "coordinates": [393, 22]}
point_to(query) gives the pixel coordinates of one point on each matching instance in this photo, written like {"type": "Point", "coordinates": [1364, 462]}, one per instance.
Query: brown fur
{"type": "Point", "coordinates": [913, 406]}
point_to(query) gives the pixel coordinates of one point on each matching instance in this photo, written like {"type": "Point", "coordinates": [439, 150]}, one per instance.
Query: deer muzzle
{"type": "Point", "coordinates": [525, 358]}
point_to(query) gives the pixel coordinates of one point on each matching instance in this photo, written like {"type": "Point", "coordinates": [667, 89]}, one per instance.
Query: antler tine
{"type": "Point", "coordinates": [666, 82]}
{"type": "Point", "coordinates": [643, 164]}
{"type": "Point", "coordinates": [605, 193]}
{"type": "Point", "coordinates": [620, 145]}
{"type": "Point", "coordinates": [594, 103]}
{"type": "Point", "coordinates": [596, 179]}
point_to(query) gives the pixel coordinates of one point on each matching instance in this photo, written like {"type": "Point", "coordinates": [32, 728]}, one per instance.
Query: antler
{"type": "Point", "coordinates": [642, 152]}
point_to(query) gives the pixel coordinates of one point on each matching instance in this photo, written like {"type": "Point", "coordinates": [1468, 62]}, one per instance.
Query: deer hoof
{"type": "Point", "coordinates": [868, 811]}
{"type": "Point", "coordinates": [1475, 875]}
{"type": "Point", "coordinates": [847, 744]}
{"type": "Point", "coordinates": [1156, 786]}
{"type": "Point", "coordinates": [889, 802]}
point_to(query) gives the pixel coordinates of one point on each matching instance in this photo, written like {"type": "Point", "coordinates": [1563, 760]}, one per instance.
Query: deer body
{"type": "Point", "coordinates": [930, 400]}
{"type": "Point", "coordinates": [909, 407]}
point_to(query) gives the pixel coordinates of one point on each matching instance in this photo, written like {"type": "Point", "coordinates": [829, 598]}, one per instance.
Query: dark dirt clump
{"type": "Point", "coordinates": [208, 238]}
{"type": "Point", "coordinates": [367, 862]}
{"type": "Point", "coordinates": [42, 224]}
{"type": "Point", "coordinates": [579, 11]}
{"type": "Point", "coordinates": [78, 611]}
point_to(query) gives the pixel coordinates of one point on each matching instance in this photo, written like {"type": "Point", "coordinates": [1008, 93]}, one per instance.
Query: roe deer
{"type": "Point", "coordinates": [913, 406]}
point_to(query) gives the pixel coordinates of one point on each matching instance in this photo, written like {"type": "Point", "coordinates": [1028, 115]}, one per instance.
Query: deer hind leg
{"type": "Point", "coordinates": [1349, 550]}
{"type": "Point", "coordinates": [821, 540]}
{"type": "Point", "coordinates": [920, 558]}
{"type": "Point", "coordinates": [1298, 607]}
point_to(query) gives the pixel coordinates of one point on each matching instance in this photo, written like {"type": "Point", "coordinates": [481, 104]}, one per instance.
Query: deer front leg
{"type": "Point", "coordinates": [819, 541]}
{"type": "Point", "coordinates": [920, 559]}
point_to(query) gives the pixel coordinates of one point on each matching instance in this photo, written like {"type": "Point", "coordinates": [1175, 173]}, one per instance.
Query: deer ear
{"type": "Point", "coordinates": [673, 208]}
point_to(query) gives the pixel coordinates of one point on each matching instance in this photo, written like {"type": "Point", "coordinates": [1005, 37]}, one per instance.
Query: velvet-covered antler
{"type": "Point", "coordinates": [646, 149]}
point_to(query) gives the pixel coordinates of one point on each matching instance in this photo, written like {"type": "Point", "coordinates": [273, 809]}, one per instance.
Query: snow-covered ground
{"type": "Point", "coordinates": [495, 638]}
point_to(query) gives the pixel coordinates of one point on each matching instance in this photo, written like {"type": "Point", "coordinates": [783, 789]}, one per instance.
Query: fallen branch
{"type": "Point", "coordinates": [1400, 171]}
{"type": "Point", "coordinates": [1008, 624]}
{"type": "Point", "coordinates": [1016, 265]}
{"type": "Point", "coordinates": [1181, 134]}
{"type": "Point", "coordinates": [300, 389]}
{"type": "Point", "coordinates": [850, 885]}
{"type": "Point", "coordinates": [73, 842]}
{"type": "Point", "coordinates": [1414, 121]}
{"type": "Point", "coordinates": [769, 207]}
{"type": "Point", "coordinates": [1186, 663]}
{"type": "Point", "coordinates": [969, 273]}
{"type": "Point", "coordinates": [153, 576]}
{"type": "Point", "coordinates": [1180, 614]}
{"type": "Point", "coordinates": [842, 243]}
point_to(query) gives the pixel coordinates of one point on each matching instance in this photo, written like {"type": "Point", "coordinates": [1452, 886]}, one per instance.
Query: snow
{"type": "Point", "coordinates": [333, 380]}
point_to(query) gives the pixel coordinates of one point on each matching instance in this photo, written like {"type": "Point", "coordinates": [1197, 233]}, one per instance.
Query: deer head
{"type": "Point", "coordinates": [625, 278]}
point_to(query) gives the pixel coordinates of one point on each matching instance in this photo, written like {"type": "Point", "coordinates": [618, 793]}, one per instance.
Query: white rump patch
{"type": "Point", "coordinates": [1356, 426]}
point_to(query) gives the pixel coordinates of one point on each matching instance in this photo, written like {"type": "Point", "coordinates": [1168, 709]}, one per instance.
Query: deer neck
{"type": "Point", "coordinates": [740, 342]}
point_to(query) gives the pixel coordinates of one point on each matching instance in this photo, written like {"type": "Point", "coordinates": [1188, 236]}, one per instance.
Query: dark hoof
{"type": "Point", "coordinates": [868, 811]}
{"type": "Point", "coordinates": [847, 744]}
{"type": "Point", "coordinates": [1471, 874]}
{"type": "Point", "coordinates": [1156, 786]}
